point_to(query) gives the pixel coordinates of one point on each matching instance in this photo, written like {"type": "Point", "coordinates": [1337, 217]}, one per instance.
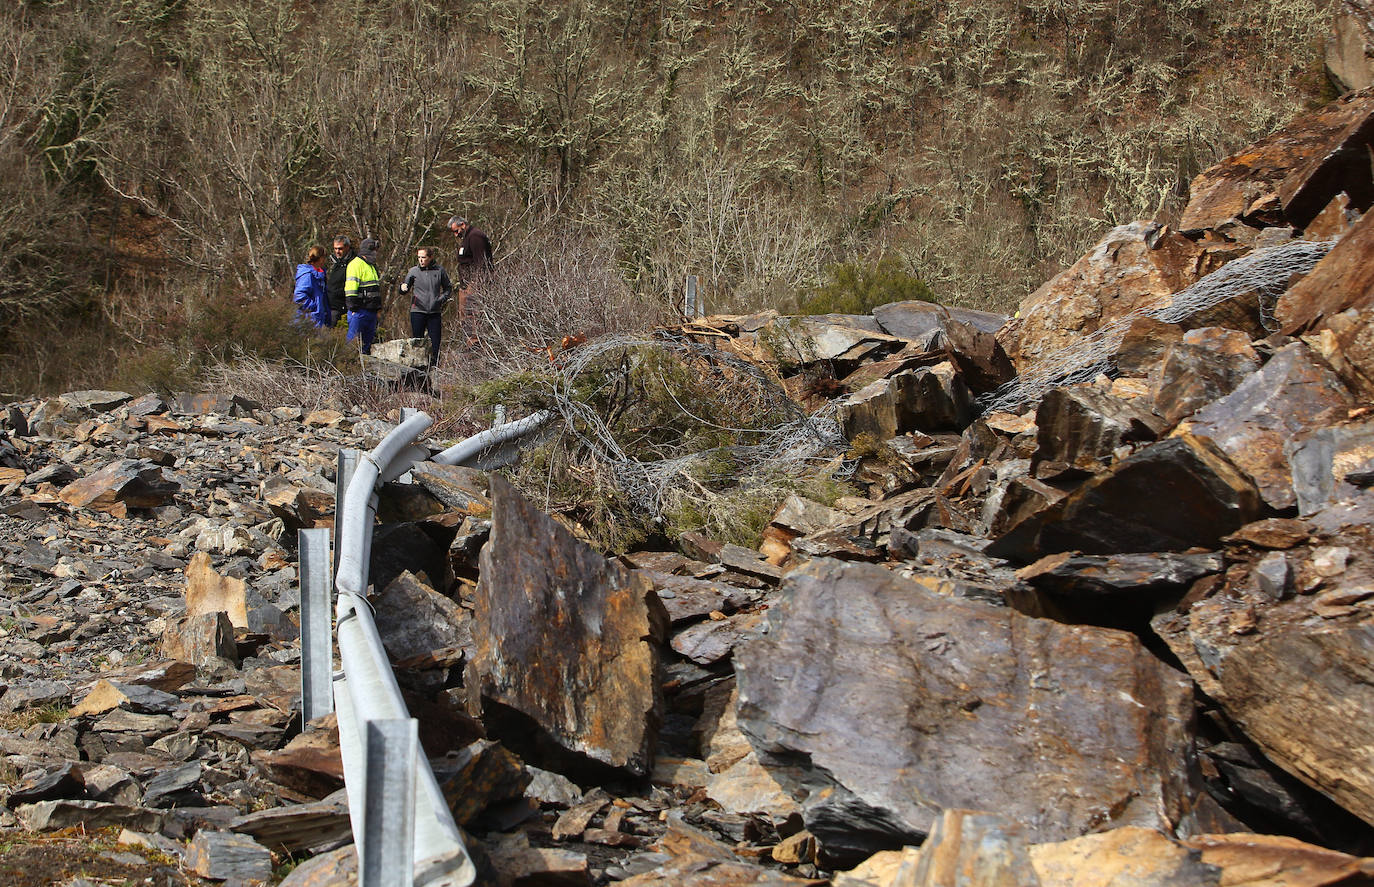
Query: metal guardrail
{"type": "Point", "coordinates": [402, 826]}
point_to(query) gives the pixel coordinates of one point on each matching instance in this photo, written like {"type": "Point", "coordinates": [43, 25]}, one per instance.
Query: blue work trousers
{"type": "Point", "coordinates": [362, 325]}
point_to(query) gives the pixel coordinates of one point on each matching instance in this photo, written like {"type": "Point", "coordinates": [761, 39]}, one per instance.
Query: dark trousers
{"type": "Point", "coordinates": [432, 325]}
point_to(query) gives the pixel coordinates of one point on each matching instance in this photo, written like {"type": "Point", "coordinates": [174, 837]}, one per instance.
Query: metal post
{"type": "Point", "coordinates": [691, 304]}
{"type": "Point", "coordinates": [317, 577]}
{"type": "Point", "coordinates": [388, 852]}
{"type": "Point", "coordinates": [498, 414]}
{"type": "Point", "coordinates": [343, 474]}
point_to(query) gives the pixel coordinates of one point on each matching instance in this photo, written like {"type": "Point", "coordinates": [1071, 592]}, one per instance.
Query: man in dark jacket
{"type": "Point", "coordinates": [429, 289]}
{"type": "Point", "coordinates": [474, 261]}
{"type": "Point", "coordinates": [337, 278]}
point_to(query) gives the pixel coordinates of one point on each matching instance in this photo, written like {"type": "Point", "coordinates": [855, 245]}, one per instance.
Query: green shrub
{"type": "Point", "coordinates": [853, 288]}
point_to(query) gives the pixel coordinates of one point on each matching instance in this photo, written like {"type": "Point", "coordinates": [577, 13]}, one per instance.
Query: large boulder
{"type": "Point", "coordinates": [1170, 496]}
{"type": "Point", "coordinates": [883, 704]}
{"type": "Point", "coordinates": [1289, 654]}
{"type": "Point", "coordinates": [1134, 268]}
{"type": "Point", "coordinates": [1288, 396]}
{"type": "Point", "coordinates": [1085, 427]}
{"type": "Point", "coordinates": [565, 639]}
{"type": "Point", "coordinates": [1246, 186]}
{"type": "Point", "coordinates": [1350, 46]}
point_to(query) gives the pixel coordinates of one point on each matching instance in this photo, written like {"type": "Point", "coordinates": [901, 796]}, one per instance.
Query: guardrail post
{"type": "Point", "coordinates": [343, 473]}
{"type": "Point", "coordinates": [692, 306]}
{"type": "Point", "coordinates": [388, 853]}
{"type": "Point", "coordinates": [317, 577]}
{"type": "Point", "coordinates": [498, 414]}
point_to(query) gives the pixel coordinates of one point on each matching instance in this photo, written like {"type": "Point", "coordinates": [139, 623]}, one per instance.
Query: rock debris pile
{"type": "Point", "coordinates": [1122, 636]}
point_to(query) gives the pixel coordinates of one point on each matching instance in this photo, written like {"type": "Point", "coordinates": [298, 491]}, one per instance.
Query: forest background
{"type": "Point", "coordinates": [164, 164]}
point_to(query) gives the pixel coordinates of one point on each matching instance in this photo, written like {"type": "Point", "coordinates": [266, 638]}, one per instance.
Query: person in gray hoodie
{"type": "Point", "coordinates": [430, 289]}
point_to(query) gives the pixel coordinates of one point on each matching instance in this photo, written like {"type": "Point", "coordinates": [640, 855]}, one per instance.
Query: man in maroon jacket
{"type": "Point", "coordinates": [474, 261]}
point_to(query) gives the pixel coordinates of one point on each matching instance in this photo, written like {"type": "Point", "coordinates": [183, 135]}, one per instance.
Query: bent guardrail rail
{"type": "Point", "coordinates": [377, 738]}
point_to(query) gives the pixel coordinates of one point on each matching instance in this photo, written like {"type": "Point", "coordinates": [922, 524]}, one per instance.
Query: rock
{"type": "Point", "coordinates": [517, 864]}
{"type": "Point", "coordinates": [566, 638]}
{"type": "Point", "coordinates": [1342, 167]}
{"type": "Point", "coordinates": [418, 548]}
{"type": "Point", "coordinates": [1350, 46]}
{"type": "Point", "coordinates": [925, 399]}
{"type": "Point", "coordinates": [298, 827]}
{"type": "Point", "coordinates": [706, 643]}
{"type": "Point", "coordinates": [1242, 185]}
{"type": "Point", "coordinates": [336, 868]}
{"type": "Point", "coordinates": [971, 696]}
{"type": "Point", "coordinates": [846, 339]}
{"type": "Point", "coordinates": [96, 401]}
{"type": "Point", "coordinates": [886, 868]}
{"type": "Point", "coordinates": [968, 847]}
{"type": "Point", "coordinates": [977, 356]}
{"type": "Point", "coordinates": [172, 788]}
{"type": "Point", "coordinates": [478, 776]}
{"type": "Point", "coordinates": [879, 409]}
{"type": "Point", "coordinates": [1195, 373]}
{"type": "Point", "coordinates": [1269, 662]}
{"type": "Point", "coordinates": [922, 322]}
{"type": "Point", "coordinates": [552, 789]}
{"type": "Point", "coordinates": [310, 763]}
{"type": "Point", "coordinates": [1261, 792]}
{"type": "Point", "coordinates": [1134, 267]}
{"type": "Point", "coordinates": [207, 592]}
{"type": "Point", "coordinates": [1252, 424]}
{"type": "Point", "coordinates": [412, 353]}
{"type": "Point", "coordinates": [214, 404]}
{"type": "Point", "coordinates": [1273, 532]}
{"type": "Point", "coordinates": [62, 781]}
{"type": "Point", "coordinates": [121, 721]}
{"type": "Point", "coordinates": [1122, 857]}
{"type": "Point", "coordinates": [1340, 281]}
{"type": "Point", "coordinates": [1118, 591]}
{"type": "Point", "coordinates": [225, 855]}
{"type": "Point", "coordinates": [1143, 345]}
{"type": "Point", "coordinates": [687, 599]}
{"type": "Point", "coordinates": [1325, 463]}
{"type": "Point", "coordinates": [298, 507]}
{"type": "Point", "coordinates": [108, 695]}
{"type": "Point", "coordinates": [49, 815]}
{"type": "Point", "coordinates": [1084, 427]}
{"type": "Point", "coordinates": [1121, 512]}
{"type": "Point", "coordinates": [200, 640]}
{"type": "Point", "coordinates": [122, 484]}
{"type": "Point", "coordinates": [687, 772]}
{"type": "Point", "coordinates": [459, 488]}
{"type": "Point", "coordinates": [414, 619]}
{"type": "Point", "coordinates": [1277, 860]}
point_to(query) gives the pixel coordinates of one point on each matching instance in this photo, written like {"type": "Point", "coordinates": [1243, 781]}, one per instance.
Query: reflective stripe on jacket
{"type": "Point", "coordinates": [362, 287]}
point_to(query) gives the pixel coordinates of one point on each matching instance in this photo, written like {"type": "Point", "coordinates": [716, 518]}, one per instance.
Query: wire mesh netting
{"type": "Point", "coordinates": [1264, 275]}
{"type": "Point", "coordinates": [797, 444]}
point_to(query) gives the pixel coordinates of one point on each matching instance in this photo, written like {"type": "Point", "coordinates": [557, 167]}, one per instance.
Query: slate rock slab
{"type": "Point", "coordinates": [414, 619]}
{"type": "Point", "coordinates": [881, 701]}
{"type": "Point", "coordinates": [1170, 496]}
{"type": "Point", "coordinates": [1285, 398]}
{"type": "Point", "coordinates": [567, 638]}
{"type": "Point", "coordinates": [122, 484]}
{"type": "Point", "coordinates": [223, 855]}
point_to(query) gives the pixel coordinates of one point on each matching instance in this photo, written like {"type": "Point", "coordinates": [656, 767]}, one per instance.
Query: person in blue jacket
{"type": "Point", "coordinates": [311, 296]}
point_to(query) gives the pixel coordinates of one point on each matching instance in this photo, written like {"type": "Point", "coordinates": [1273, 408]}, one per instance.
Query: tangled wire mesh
{"type": "Point", "coordinates": [1264, 274]}
{"type": "Point", "coordinates": [794, 446]}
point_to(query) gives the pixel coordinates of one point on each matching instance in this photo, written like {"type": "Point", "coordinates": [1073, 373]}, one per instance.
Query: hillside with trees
{"type": "Point", "coordinates": [165, 163]}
